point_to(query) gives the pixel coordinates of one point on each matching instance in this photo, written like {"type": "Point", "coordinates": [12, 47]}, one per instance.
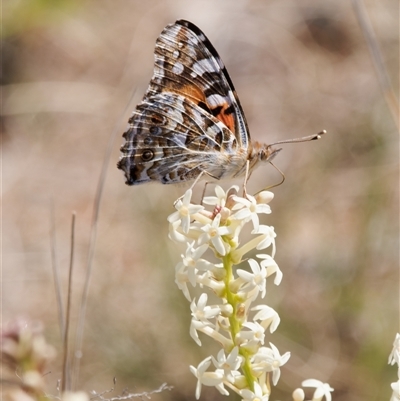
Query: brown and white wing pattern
{"type": "Point", "coordinates": [190, 120]}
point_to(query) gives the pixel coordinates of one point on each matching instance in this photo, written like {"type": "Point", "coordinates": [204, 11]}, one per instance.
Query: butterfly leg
{"type": "Point", "coordinates": [193, 185]}
{"type": "Point", "coordinates": [197, 179]}
{"type": "Point", "coordinates": [204, 191]}
{"type": "Point", "coordinates": [274, 185]}
{"type": "Point", "coordinates": [246, 178]}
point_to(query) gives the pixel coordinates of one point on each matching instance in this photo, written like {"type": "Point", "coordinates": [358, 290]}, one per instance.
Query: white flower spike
{"type": "Point", "coordinates": [242, 364]}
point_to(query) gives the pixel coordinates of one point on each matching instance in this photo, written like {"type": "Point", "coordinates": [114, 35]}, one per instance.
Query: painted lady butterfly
{"type": "Point", "coordinates": [190, 122]}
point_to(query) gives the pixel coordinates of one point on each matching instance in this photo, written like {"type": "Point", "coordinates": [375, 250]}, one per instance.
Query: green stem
{"type": "Point", "coordinates": [231, 298]}
{"type": "Point", "coordinates": [246, 369]}
{"type": "Point", "coordinates": [235, 324]}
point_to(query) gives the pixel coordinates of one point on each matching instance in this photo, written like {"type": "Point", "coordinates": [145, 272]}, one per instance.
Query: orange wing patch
{"type": "Point", "coordinates": [225, 114]}
{"type": "Point", "coordinates": [192, 92]}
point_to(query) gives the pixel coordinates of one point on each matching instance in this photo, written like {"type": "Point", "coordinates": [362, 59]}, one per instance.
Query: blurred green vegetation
{"type": "Point", "coordinates": [22, 15]}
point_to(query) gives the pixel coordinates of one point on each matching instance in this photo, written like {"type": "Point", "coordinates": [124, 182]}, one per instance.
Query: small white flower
{"type": "Point", "coordinates": [256, 279]}
{"type": "Point", "coordinates": [394, 356]}
{"type": "Point", "coordinates": [199, 373]}
{"type": "Point", "coordinates": [268, 316]}
{"type": "Point", "coordinates": [269, 263]}
{"type": "Point", "coordinates": [191, 262]}
{"type": "Point", "coordinates": [396, 391]}
{"type": "Point", "coordinates": [222, 196]}
{"type": "Point", "coordinates": [264, 197]}
{"type": "Point", "coordinates": [228, 364]}
{"type": "Point", "coordinates": [298, 395]}
{"type": "Point", "coordinates": [220, 386]}
{"type": "Point", "coordinates": [208, 378]}
{"type": "Point", "coordinates": [184, 209]}
{"type": "Point", "coordinates": [249, 210]}
{"type": "Point", "coordinates": [201, 312]}
{"type": "Point", "coordinates": [213, 233]}
{"type": "Point", "coordinates": [270, 360]}
{"type": "Point", "coordinates": [181, 280]}
{"type": "Point", "coordinates": [269, 235]}
{"type": "Point", "coordinates": [256, 332]}
{"type": "Point", "coordinates": [200, 315]}
{"type": "Point", "coordinates": [322, 389]}
{"type": "Point", "coordinates": [195, 326]}
{"type": "Point", "coordinates": [175, 233]}
{"type": "Point", "coordinates": [257, 395]}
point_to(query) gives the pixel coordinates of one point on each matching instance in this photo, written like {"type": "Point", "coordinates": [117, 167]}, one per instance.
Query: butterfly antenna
{"type": "Point", "coordinates": [302, 139]}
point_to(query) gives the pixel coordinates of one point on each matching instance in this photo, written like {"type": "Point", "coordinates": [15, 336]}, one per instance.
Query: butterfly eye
{"type": "Point", "coordinates": [147, 155]}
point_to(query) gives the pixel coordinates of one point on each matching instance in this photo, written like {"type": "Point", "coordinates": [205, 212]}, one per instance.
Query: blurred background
{"type": "Point", "coordinates": [69, 69]}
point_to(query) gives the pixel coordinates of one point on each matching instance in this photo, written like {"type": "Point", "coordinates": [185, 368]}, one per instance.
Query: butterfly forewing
{"type": "Point", "coordinates": [227, 92]}
{"type": "Point", "coordinates": [186, 62]}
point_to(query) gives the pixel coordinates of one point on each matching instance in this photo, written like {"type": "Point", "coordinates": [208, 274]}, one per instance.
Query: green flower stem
{"type": "Point", "coordinates": [246, 369]}
{"type": "Point", "coordinates": [235, 324]}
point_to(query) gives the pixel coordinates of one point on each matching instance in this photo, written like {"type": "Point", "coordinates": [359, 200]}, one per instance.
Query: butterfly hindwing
{"type": "Point", "coordinates": [170, 139]}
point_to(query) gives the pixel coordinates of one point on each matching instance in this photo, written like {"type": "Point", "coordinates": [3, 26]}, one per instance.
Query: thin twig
{"type": "Point", "coordinates": [377, 59]}
{"type": "Point", "coordinates": [65, 373]}
{"type": "Point", "coordinates": [93, 235]}
{"type": "Point", "coordinates": [131, 396]}
{"type": "Point", "coordinates": [56, 277]}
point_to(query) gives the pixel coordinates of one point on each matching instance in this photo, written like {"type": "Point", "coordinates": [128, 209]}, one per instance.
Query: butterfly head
{"type": "Point", "coordinates": [263, 152]}
{"type": "Point", "coordinates": [267, 153]}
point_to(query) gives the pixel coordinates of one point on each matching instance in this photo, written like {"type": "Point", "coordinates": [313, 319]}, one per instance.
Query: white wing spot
{"type": "Point", "coordinates": [216, 100]}
{"type": "Point", "coordinates": [203, 66]}
{"type": "Point", "coordinates": [177, 68]}
{"type": "Point", "coordinates": [191, 51]}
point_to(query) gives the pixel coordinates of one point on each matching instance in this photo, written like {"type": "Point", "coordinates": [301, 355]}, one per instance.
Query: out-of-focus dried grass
{"type": "Point", "coordinates": [298, 69]}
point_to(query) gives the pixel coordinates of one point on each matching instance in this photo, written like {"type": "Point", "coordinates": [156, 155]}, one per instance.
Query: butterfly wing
{"type": "Point", "coordinates": [187, 63]}
{"type": "Point", "coordinates": [190, 119]}
{"type": "Point", "coordinates": [172, 140]}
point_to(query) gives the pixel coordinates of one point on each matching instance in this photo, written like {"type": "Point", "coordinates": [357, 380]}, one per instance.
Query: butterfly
{"type": "Point", "coordinates": [190, 122]}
